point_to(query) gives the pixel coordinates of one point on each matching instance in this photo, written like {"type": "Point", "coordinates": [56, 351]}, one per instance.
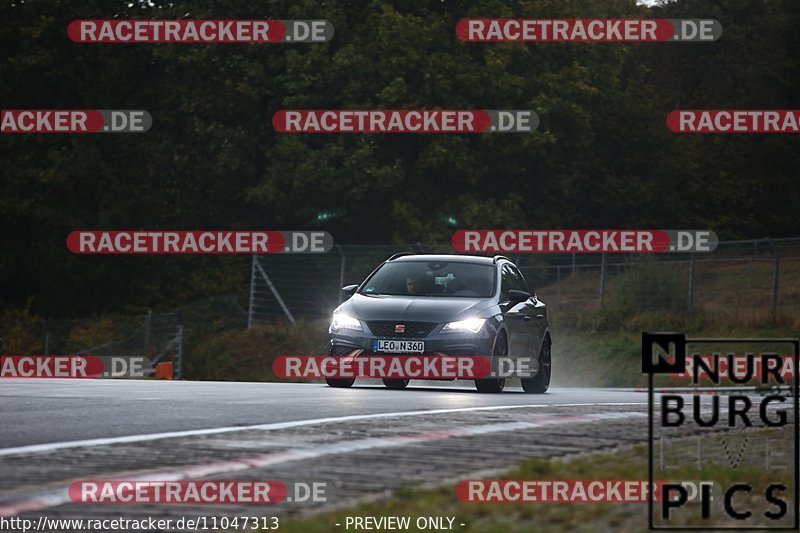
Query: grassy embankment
{"type": "Point", "coordinates": [624, 464]}
{"type": "Point", "coordinates": [593, 346]}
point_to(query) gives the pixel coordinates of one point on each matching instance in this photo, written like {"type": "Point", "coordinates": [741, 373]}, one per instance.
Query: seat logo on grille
{"type": "Point", "coordinates": [399, 328]}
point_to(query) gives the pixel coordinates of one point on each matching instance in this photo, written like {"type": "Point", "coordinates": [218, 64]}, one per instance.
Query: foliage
{"type": "Point", "coordinates": [602, 156]}
{"type": "Point", "coordinates": [18, 332]}
{"type": "Point", "coordinates": [248, 355]}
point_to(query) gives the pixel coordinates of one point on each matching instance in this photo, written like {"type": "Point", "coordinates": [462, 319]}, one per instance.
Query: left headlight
{"type": "Point", "coordinates": [344, 321]}
{"type": "Point", "coordinates": [470, 325]}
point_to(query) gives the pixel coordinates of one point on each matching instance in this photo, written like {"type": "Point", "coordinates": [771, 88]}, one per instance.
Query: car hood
{"type": "Point", "coordinates": [420, 309]}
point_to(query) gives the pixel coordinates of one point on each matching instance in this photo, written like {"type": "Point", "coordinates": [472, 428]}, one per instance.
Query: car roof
{"type": "Point", "coordinates": [453, 258]}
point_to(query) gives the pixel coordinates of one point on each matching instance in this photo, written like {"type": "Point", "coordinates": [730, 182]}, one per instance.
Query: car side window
{"type": "Point", "coordinates": [523, 285]}
{"type": "Point", "coordinates": [508, 282]}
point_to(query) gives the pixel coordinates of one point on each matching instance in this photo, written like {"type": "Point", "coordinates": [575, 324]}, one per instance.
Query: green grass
{"type": "Point", "coordinates": [727, 296]}
{"type": "Point", "coordinates": [600, 346]}
{"type": "Point", "coordinates": [630, 463]}
{"type": "Point", "coordinates": [613, 358]}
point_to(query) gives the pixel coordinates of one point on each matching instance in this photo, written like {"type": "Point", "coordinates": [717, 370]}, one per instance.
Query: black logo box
{"type": "Point", "coordinates": [656, 343]}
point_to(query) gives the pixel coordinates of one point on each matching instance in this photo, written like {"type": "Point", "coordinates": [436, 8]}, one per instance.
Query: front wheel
{"type": "Point", "coordinates": [495, 385]}
{"type": "Point", "coordinates": [491, 386]}
{"type": "Point", "coordinates": [340, 383]}
{"type": "Point", "coordinates": [396, 384]}
{"type": "Point", "coordinates": [539, 383]}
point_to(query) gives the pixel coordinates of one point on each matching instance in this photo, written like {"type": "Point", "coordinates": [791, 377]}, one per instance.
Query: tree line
{"type": "Point", "coordinates": [602, 156]}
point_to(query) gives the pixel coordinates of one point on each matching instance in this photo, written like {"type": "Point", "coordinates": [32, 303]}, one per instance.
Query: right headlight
{"type": "Point", "coordinates": [344, 321]}
{"type": "Point", "coordinates": [470, 325]}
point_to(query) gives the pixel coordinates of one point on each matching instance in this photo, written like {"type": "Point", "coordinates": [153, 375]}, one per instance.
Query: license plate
{"type": "Point", "coordinates": [398, 346]}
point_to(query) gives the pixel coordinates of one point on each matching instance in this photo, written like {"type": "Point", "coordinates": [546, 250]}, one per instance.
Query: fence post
{"type": "Point", "coordinates": [275, 292]}
{"type": "Point", "coordinates": [178, 370]}
{"type": "Point", "coordinates": [147, 322]}
{"type": "Point", "coordinates": [602, 278]}
{"type": "Point", "coordinates": [558, 286]}
{"type": "Point", "coordinates": [690, 295]}
{"type": "Point", "coordinates": [342, 265]}
{"type": "Point", "coordinates": [252, 292]}
{"type": "Point", "coordinates": [775, 276]}
{"type": "Point", "coordinates": [776, 254]}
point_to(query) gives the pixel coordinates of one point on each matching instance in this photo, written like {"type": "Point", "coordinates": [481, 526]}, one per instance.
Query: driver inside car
{"type": "Point", "coordinates": [416, 284]}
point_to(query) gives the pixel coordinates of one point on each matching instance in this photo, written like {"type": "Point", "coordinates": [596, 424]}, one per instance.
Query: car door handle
{"type": "Point", "coordinates": [540, 317]}
{"type": "Point", "coordinates": [527, 318]}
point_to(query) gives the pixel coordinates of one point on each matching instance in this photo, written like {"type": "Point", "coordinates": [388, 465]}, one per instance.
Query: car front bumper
{"type": "Point", "coordinates": [344, 342]}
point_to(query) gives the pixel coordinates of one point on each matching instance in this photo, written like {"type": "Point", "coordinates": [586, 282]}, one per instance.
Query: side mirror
{"type": "Point", "coordinates": [349, 290]}
{"type": "Point", "coordinates": [515, 296]}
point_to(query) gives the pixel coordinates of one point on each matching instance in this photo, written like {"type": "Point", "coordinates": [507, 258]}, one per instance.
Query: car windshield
{"type": "Point", "coordinates": [432, 278]}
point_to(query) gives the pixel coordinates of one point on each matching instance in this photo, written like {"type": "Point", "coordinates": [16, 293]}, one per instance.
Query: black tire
{"type": "Point", "coordinates": [396, 384]}
{"type": "Point", "coordinates": [340, 383]}
{"type": "Point", "coordinates": [539, 383]}
{"type": "Point", "coordinates": [494, 385]}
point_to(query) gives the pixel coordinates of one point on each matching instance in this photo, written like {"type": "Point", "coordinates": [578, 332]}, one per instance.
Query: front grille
{"type": "Point", "coordinates": [386, 328]}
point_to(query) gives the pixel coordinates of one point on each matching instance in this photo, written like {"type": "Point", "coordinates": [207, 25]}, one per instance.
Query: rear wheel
{"type": "Point", "coordinates": [396, 384]}
{"type": "Point", "coordinates": [539, 383]}
{"type": "Point", "coordinates": [497, 384]}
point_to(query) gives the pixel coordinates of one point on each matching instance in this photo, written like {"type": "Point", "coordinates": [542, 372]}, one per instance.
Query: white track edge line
{"type": "Point", "coordinates": [36, 448]}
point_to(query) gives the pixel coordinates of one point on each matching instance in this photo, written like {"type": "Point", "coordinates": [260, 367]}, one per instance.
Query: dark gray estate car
{"type": "Point", "coordinates": [445, 304]}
